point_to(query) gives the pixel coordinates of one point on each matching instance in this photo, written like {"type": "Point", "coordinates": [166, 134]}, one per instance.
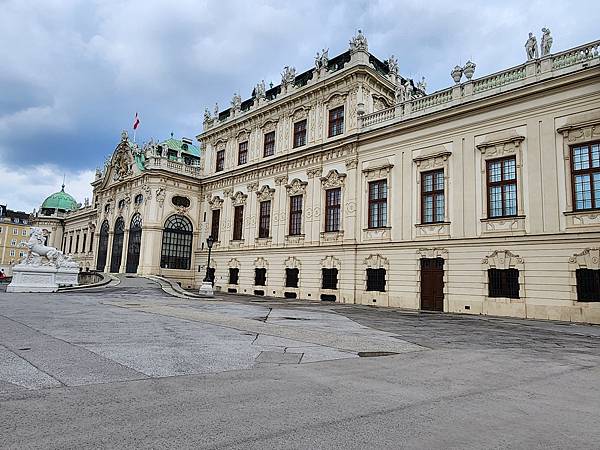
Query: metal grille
{"type": "Point", "coordinates": [588, 285]}
{"type": "Point", "coordinates": [134, 245]}
{"type": "Point", "coordinates": [503, 283]}
{"type": "Point", "coordinates": [260, 276]}
{"type": "Point", "coordinates": [117, 248]}
{"type": "Point", "coordinates": [330, 278]}
{"type": "Point", "coordinates": [102, 246]}
{"type": "Point", "coordinates": [291, 277]}
{"type": "Point", "coordinates": [176, 250]}
{"type": "Point", "coordinates": [234, 275]}
{"type": "Point", "coordinates": [376, 280]}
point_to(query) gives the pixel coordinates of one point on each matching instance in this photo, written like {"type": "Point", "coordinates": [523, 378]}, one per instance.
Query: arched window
{"type": "Point", "coordinates": [176, 250]}
{"type": "Point", "coordinates": [102, 246]}
{"type": "Point", "coordinates": [134, 245]}
{"type": "Point", "coordinates": [138, 199]}
{"type": "Point", "coordinates": [117, 248]}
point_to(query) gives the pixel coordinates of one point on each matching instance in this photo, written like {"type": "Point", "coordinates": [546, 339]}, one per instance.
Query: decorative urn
{"type": "Point", "coordinates": [456, 74]}
{"type": "Point", "coordinates": [469, 69]}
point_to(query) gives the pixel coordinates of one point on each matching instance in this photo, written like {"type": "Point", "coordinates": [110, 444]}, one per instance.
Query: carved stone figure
{"type": "Point", "coordinates": [359, 43]}
{"type": "Point", "coordinates": [236, 102]}
{"type": "Point", "coordinates": [400, 93]}
{"type": "Point", "coordinates": [288, 75]}
{"type": "Point", "coordinates": [531, 47]}
{"type": "Point", "coordinates": [325, 58]}
{"type": "Point", "coordinates": [393, 66]}
{"type": "Point", "coordinates": [260, 90]}
{"type": "Point", "coordinates": [207, 116]}
{"type": "Point", "coordinates": [39, 254]}
{"type": "Point", "coordinates": [216, 111]}
{"type": "Point", "coordinates": [546, 43]}
{"type": "Point", "coordinates": [318, 62]}
{"type": "Point", "coordinates": [409, 90]}
{"type": "Point", "coordinates": [422, 85]}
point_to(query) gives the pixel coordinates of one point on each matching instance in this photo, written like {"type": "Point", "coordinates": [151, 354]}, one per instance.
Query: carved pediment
{"type": "Point", "coordinates": [587, 259]}
{"type": "Point", "coordinates": [261, 263]}
{"type": "Point", "coordinates": [296, 187]}
{"type": "Point", "coordinates": [334, 179]}
{"type": "Point", "coordinates": [500, 144]}
{"type": "Point", "coordinates": [292, 263]}
{"type": "Point", "coordinates": [331, 262]}
{"type": "Point", "coordinates": [502, 259]}
{"type": "Point", "coordinates": [376, 262]}
{"type": "Point", "coordinates": [239, 199]}
{"type": "Point", "coordinates": [299, 114]}
{"type": "Point", "coordinates": [266, 193]}
{"type": "Point", "coordinates": [580, 132]}
{"type": "Point", "coordinates": [233, 263]}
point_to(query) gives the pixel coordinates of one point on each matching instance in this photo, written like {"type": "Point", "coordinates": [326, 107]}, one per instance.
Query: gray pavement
{"type": "Point", "coordinates": [130, 366]}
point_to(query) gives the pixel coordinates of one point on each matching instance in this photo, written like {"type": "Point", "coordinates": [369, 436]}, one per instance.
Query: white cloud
{"type": "Point", "coordinates": [25, 190]}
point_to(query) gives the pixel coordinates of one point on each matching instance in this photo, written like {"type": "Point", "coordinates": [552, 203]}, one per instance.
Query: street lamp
{"type": "Point", "coordinates": [206, 289]}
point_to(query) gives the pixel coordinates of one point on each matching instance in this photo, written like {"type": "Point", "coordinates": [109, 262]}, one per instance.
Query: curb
{"type": "Point", "coordinates": [172, 288]}
{"type": "Point", "coordinates": [107, 279]}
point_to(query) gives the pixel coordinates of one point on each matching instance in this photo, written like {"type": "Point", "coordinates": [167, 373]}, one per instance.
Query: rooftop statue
{"type": "Point", "coordinates": [288, 75]}
{"type": "Point", "coordinates": [236, 101]}
{"type": "Point", "coordinates": [546, 41]}
{"type": "Point", "coordinates": [531, 47]}
{"type": "Point", "coordinates": [260, 90]}
{"type": "Point", "coordinates": [393, 65]}
{"type": "Point", "coordinates": [216, 110]}
{"type": "Point", "coordinates": [322, 60]}
{"type": "Point", "coordinates": [359, 43]}
{"type": "Point", "coordinates": [422, 85]}
{"type": "Point", "coordinates": [207, 116]}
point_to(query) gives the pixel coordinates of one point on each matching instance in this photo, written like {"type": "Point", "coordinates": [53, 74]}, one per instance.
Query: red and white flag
{"type": "Point", "coordinates": [136, 122]}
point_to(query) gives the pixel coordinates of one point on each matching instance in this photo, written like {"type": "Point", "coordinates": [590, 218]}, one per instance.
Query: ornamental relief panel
{"type": "Point", "coordinates": [316, 172]}
{"type": "Point", "coordinates": [336, 100]}
{"type": "Point", "coordinates": [587, 259]}
{"type": "Point", "coordinates": [435, 252]}
{"type": "Point", "coordinates": [252, 186]}
{"type": "Point", "coordinates": [435, 161]}
{"type": "Point", "coordinates": [216, 202]}
{"type": "Point", "coordinates": [580, 133]}
{"type": "Point", "coordinates": [292, 263]}
{"type": "Point", "coordinates": [376, 173]}
{"type": "Point", "coordinates": [433, 230]}
{"type": "Point", "coordinates": [233, 263]}
{"type": "Point", "coordinates": [502, 147]}
{"type": "Point", "coordinates": [585, 218]}
{"type": "Point", "coordinates": [333, 179]}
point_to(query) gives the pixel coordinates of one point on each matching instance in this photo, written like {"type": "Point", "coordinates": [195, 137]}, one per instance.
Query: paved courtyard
{"type": "Point", "coordinates": [132, 366]}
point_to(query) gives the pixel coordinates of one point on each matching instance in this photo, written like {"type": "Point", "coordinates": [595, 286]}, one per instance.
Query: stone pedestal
{"type": "Point", "coordinates": [67, 276]}
{"type": "Point", "coordinates": [206, 289]}
{"type": "Point", "coordinates": [28, 278]}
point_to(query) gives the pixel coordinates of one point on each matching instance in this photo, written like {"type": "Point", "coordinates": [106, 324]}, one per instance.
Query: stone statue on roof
{"type": "Point", "coordinates": [288, 76]}
{"type": "Point", "coordinates": [325, 58]}
{"type": "Point", "coordinates": [260, 90]}
{"type": "Point", "coordinates": [207, 116]}
{"type": "Point", "coordinates": [393, 66]}
{"type": "Point", "coordinates": [422, 85]}
{"type": "Point", "coordinates": [409, 90]}
{"type": "Point", "coordinates": [531, 47]}
{"type": "Point", "coordinates": [546, 41]}
{"type": "Point", "coordinates": [359, 43]}
{"type": "Point", "coordinates": [216, 111]}
{"type": "Point", "coordinates": [400, 93]}
{"type": "Point", "coordinates": [236, 101]}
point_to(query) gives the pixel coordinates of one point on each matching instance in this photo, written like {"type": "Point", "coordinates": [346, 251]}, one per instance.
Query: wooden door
{"type": "Point", "coordinates": [432, 284]}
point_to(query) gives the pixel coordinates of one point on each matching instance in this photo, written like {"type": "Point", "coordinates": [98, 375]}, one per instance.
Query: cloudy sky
{"type": "Point", "coordinates": [74, 73]}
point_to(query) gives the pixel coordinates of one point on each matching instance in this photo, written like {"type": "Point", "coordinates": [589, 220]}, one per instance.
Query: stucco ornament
{"type": "Point", "coordinates": [546, 41]}
{"type": "Point", "coordinates": [122, 158]}
{"type": "Point", "coordinates": [39, 254]}
{"type": "Point", "coordinates": [236, 102]}
{"type": "Point", "coordinates": [359, 43]}
{"type": "Point", "coordinates": [260, 91]}
{"type": "Point", "coordinates": [393, 66]}
{"type": "Point", "coordinates": [531, 47]}
{"type": "Point", "coordinates": [288, 76]}
{"type": "Point", "coordinates": [322, 60]}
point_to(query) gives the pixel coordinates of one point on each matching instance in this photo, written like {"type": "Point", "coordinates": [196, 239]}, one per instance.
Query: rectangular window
{"type": "Point", "coordinates": [376, 280]}
{"type": "Point", "coordinates": [378, 204]}
{"type": "Point", "coordinates": [300, 133]}
{"type": "Point", "coordinates": [77, 244]}
{"type": "Point", "coordinates": [214, 225]}
{"type": "Point", "coordinates": [330, 278]}
{"type": "Point", "coordinates": [238, 222]}
{"type": "Point", "coordinates": [295, 215]}
{"type": "Point", "coordinates": [91, 241]}
{"type": "Point", "coordinates": [333, 209]}
{"type": "Point", "coordinates": [71, 244]}
{"type": "Point", "coordinates": [260, 276]}
{"type": "Point", "coordinates": [13, 243]}
{"type": "Point", "coordinates": [243, 153]}
{"type": "Point", "coordinates": [220, 160]}
{"type": "Point", "coordinates": [432, 196]}
{"type": "Point", "coordinates": [503, 283]}
{"type": "Point", "coordinates": [83, 243]}
{"type": "Point", "coordinates": [15, 231]}
{"type": "Point", "coordinates": [588, 285]}
{"type": "Point", "coordinates": [336, 121]}
{"type": "Point", "coordinates": [502, 187]}
{"type": "Point", "coordinates": [264, 219]}
{"type": "Point", "coordinates": [234, 275]}
{"type": "Point", "coordinates": [24, 233]}
{"type": "Point", "coordinates": [291, 278]}
{"type": "Point", "coordinates": [269, 146]}
{"type": "Point", "coordinates": [585, 176]}
{"type": "Point", "coordinates": [12, 253]}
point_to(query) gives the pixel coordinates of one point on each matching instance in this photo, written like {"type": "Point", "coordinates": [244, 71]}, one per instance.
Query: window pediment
{"type": "Point", "coordinates": [500, 144]}
{"type": "Point", "coordinates": [333, 179]}
{"type": "Point", "coordinates": [265, 193]}
{"type": "Point", "coordinates": [588, 259]}
{"type": "Point", "coordinates": [581, 132]}
{"type": "Point", "coordinates": [296, 187]}
{"type": "Point", "coordinates": [376, 262]}
{"type": "Point", "coordinates": [239, 198]}
{"type": "Point", "coordinates": [502, 259]}
{"type": "Point", "coordinates": [216, 202]}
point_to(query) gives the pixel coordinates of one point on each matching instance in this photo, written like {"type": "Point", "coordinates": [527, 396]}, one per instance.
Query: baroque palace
{"type": "Point", "coordinates": [349, 183]}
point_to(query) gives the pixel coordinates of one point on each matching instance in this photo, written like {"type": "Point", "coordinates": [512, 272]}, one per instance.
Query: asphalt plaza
{"type": "Point", "coordinates": [131, 366]}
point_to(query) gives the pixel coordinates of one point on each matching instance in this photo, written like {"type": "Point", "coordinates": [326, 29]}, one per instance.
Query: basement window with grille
{"type": "Point", "coordinates": [234, 274]}
{"type": "Point", "coordinates": [376, 280]}
{"type": "Point", "coordinates": [503, 283]}
{"type": "Point", "coordinates": [291, 278]}
{"type": "Point", "coordinates": [330, 278]}
{"type": "Point", "coordinates": [588, 285]}
{"type": "Point", "coordinates": [260, 277]}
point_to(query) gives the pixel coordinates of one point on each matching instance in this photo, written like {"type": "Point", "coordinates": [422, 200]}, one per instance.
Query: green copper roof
{"type": "Point", "coordinates": [180, 146]}
{"type": "Point", "coordinates": [60, 200]}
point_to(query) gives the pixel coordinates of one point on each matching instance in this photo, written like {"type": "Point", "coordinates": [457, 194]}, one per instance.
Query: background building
{"type": "Point", "coordinates": [14, 232]}
{"type": "Point", "coordinates": [349, 183]}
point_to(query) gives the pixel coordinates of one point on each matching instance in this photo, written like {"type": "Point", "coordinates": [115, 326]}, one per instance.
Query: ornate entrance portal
{"type": "Point", "coordinates": [117, 249]}
{"type": "Point", "coordinates": [133, 247]}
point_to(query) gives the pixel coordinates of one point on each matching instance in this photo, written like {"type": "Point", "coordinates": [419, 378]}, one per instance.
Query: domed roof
{"type": "Point", "coordinates": [60, 200]}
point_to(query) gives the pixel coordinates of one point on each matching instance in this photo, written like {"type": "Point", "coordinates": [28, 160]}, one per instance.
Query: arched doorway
{"type": "Point", "coordinates": [133, 247]}
{"type": "Point", "coordinates": [102, 246]}
{"type": "Point", "coordinates": [176, 252]}
{"type": "Point", "coordinates": [117, 248]}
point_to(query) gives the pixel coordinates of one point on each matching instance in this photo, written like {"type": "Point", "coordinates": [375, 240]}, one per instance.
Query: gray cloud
{"type": "Point", "coordinates": [75, 72]}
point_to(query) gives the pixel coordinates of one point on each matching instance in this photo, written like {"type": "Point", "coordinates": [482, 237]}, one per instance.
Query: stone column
{"type": "Point", "coordinates": [124, 250]}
